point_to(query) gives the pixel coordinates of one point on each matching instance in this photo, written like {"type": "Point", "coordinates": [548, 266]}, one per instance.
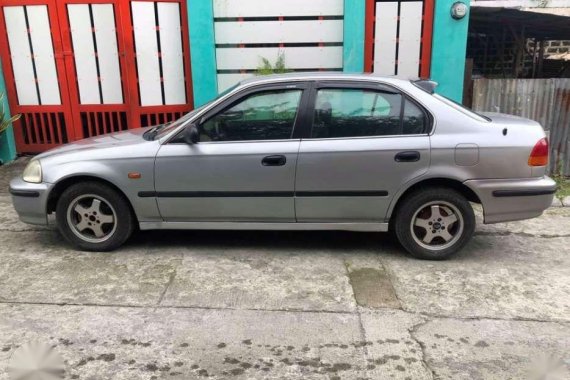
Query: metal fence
{"type": "Point", "coordinates": [544, 100]}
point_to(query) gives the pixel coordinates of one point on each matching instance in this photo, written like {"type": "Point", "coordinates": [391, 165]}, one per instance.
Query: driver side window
{"type": "Point", "coordinates": [266, 115]}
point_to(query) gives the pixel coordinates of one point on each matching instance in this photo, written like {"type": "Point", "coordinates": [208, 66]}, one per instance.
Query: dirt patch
{"type": "Point", "coordinates": [372, 288]}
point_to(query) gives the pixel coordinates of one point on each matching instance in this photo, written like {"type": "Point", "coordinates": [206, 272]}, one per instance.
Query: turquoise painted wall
{"type": "Point", "coordinates": [448, 50]}
{"type": "Point", "coordinates": [354, 26]}
{"type": "Point", "coordinates": [448, 47]}
{"type": "Point", "coordinates": [202, 50]}
{"type": "Point", "coordinates": [7, 144]}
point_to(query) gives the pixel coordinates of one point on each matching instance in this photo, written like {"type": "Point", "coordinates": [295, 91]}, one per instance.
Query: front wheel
{"type": "Point", "coordinates": [94, 217]}
{"type": "Point", "coordinates": [435, 223]}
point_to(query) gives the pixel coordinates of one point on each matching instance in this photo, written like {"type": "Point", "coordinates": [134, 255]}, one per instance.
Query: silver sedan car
{"type": "Point", "coordinates": [299, 152]}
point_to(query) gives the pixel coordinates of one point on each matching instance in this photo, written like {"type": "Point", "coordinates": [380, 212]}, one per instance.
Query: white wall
{"type": "Point", "coordinates": [309, 43]}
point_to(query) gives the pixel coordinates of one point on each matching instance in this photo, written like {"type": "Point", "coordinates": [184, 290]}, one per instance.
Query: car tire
{"type": "Point", "coordinates": [94, 217]}
{"type": "Point", "coordinates": [435, 223]}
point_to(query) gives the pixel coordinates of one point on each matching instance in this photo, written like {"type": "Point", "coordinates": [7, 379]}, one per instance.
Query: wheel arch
{"type": "Point", "coordinates": [64, 183]}
{"type": "Point", "coordinates": [450, 183]}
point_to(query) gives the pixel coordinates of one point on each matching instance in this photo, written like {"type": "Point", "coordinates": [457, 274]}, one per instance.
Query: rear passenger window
{"type": "Point", "coordinates": [360, 113]}
{"type": "Point", "coordinates": [414, 121]}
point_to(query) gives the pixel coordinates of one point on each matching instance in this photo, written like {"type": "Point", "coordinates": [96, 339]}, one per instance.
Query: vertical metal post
{"type": "Point", "coordinates": [540, 58]}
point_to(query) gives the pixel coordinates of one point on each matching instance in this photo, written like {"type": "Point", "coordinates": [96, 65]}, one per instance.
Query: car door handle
{"type": "Point", "coordinates": [277, 160]}
{"type": "Point", "coordinates": [408, 156]}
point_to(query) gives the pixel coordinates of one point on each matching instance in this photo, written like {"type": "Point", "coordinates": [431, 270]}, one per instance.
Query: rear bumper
{"type": "Point", "coordinates": [30, 200]}
{"type": "Point", "coordinates": [513, 199]}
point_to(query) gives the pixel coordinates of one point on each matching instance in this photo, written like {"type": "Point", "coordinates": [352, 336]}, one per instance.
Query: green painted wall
{"type": "Point", "coordinates": [7, 144]}
{"type": "Point", "coordinates": [354, 21]}
{"type": "Point", "coordinates": [202, 50]}
{"type": "Point", "coordinates": [448, 50]}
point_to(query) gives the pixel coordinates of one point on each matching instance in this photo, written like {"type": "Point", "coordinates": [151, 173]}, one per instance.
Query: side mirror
{"type": "Point", "coordinates": [191, 134]}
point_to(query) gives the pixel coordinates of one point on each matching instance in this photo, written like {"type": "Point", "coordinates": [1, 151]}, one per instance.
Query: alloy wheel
{"type": "Point", "coordinates": [437, 225]}
{"type": "Point", "coordinates": [92, 218]}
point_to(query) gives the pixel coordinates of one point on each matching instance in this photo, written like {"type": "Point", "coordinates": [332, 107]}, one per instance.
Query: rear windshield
{"type": "Point", "coordinates": [429, 87]}
{"type": "Point", "coordinates": [461, 108]}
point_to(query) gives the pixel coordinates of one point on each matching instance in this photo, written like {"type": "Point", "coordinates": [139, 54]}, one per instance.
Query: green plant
{"type": "Point", "coordinates": [562, 182]}
{"type": "Point", "coordinates": [4, 124]}
{"type": "Point", "coordinates": [266, 68]}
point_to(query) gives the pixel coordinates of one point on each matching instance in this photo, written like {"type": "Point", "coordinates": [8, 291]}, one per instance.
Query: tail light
{"type": "Point", "coordinates": [539, 154]}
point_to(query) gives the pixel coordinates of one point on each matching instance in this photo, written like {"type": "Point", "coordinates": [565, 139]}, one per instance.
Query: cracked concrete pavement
{"type": "Point", "coordinates": [268, 305]}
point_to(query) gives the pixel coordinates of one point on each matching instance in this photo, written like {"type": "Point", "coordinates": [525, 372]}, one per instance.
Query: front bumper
{"type": "Point", "coordinates": [30, 200]}
{"type": "Point", "coordinates": [513, 199]}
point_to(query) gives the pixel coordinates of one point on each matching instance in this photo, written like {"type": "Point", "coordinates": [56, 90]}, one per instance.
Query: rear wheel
{"type": "Point", "coordinates": [435, 223]}
{"type": "Point", "coordinates": [94, 217]}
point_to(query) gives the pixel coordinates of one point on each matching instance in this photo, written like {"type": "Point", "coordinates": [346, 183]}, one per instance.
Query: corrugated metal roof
{"type": "Point", "coordinates": [536, 25]}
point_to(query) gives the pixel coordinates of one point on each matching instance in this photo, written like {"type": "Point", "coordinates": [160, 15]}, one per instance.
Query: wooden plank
{"type": "Point", "coordinates": [146, 47]}
{"type": "Point", "coordinates": [327, 57]}
{"type": "Point", "coordinates": [21, 56]}
{"type": "Point", "coordinates": [279, 31]}
{"type": "Point", "coordinates": [84, 53]}
{"type": "Point", "coordinates": [272, 8]}
{"type": "Point", "coordinates": [225, 81]}
{"type": "Point", "coordinates": [385, 38]}
{"type": "Point", "coordinates": [171, 49]}
{"type": "Point", "coordinates": [410, 38]}
{"type": "Point", "coordinates": [44, 58]}
{"type": "Point", "coordinates": [108, 53]}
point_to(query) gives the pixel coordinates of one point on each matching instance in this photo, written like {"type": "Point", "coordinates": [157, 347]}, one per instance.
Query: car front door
{"type": "Point", "coordinates": [366, 141]}
{"type": "Point", "coordinates": [243, 167]}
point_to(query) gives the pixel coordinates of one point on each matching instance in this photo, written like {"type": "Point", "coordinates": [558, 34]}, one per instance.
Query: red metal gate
{"type": "Point", "coordinates": [371, 51]}
{"type": "Point", "coordinates": [81, 61]}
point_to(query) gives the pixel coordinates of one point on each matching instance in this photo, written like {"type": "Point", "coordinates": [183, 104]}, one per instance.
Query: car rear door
{"type": "Point", "coordinates": [366, 140]}
{"type": "Point", "coordinates": [243, 168]}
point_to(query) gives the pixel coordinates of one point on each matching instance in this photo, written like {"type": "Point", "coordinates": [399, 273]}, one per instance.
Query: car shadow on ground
{"type": "Point", "coordinates": [340, 242]}
{"type": "Point", "coordinates": [290, 240]}
{"type": "Point", "coordinates": [384, 244]}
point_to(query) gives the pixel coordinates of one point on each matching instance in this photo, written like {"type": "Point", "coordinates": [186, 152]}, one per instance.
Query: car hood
{"type": "Point", "coordinates": [111, 140]}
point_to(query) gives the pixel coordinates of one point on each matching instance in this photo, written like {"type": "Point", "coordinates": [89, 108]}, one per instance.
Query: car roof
{"type": "Point", "coordinates": [322, 75]}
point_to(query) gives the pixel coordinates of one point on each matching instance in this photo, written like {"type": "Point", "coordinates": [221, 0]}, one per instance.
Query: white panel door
{"type": "Point", "coordinates": [385, 41]}
{"type": "Point", "coordinates": [84, 53]}
{"type": "Point", "coordinates": [146, 47]}
{"type": "Point", "coordinates": [93, 34]}
{"type": "Point", "coordinates": [21, 55]}
{"type": "Point", "coordinates": [410, 38]}
{"type": "Point", "coordinates": [107, 53]}
{"type": "Point", "coordinates": [159, 53]}
{"type": "Point", "coordinates": [40, 37]}
{"type": "Point", "coordinates": [32, 54]}
{"type": "Point", "coordinates": [171, 53]}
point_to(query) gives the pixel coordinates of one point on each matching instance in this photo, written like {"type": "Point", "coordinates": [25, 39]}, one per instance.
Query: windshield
{"type": "Point", "coordinates": [165, 129]}
{"type": "Point", "coordinates": [460, 107]}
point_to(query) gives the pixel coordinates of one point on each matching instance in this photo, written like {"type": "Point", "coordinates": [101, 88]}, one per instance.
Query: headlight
{"type": "Point", "coordinates": [33, 172]}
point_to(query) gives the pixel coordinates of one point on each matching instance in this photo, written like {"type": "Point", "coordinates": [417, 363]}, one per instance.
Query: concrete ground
{"type": "Point", "coordinates": [268, 305]}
